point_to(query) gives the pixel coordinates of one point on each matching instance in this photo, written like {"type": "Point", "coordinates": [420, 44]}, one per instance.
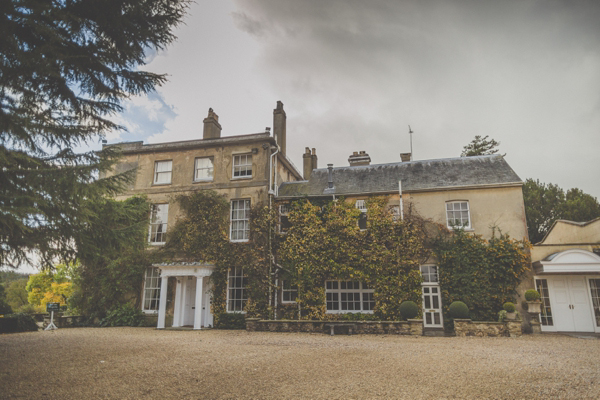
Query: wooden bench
{"type": "Point", "coordinates": [333, 325]}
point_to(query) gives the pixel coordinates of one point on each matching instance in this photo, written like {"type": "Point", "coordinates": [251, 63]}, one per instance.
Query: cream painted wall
{"type": "Point", "coordinates": [502, 207]}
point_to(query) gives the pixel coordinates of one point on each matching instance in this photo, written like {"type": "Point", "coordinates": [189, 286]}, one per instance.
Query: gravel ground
{"type": "Point", "coordinates": [131, 363]}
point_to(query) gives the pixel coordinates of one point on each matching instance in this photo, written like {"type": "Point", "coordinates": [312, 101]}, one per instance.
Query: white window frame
{"type": "Point", "coordinates": [362, 206]}
{"type": "Point", "coordinates": [163, 224]}
{"type": "Point", "coordinates": [235, 218]}
{"type": "Point", "coordinates": [334, 288]}
{"type": "Point", "coordinates": [168, 165]}
{"type": "Point", "coordinates": [239, 167]}
{"type": "Point", "coordinates": [291, 290]}
{"type": "Point", "coordinates": [211, 169]}
{"type": "Point", "coordinates": [233, 274]}
{"type": "Point", "coordinates": [151, 291]}
{"type": "Point", "coordinates": [452, 217]}
{"type": "Point", "coordinates": [430, 274]}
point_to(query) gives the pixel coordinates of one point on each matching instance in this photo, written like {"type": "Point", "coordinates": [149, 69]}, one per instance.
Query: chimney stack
{"type": "Point", "coordinates": [212, 128]}
{"type": "Point", "coordinates": [309, 161]}
{"type": "Point", "coordinates": [405, 157]}
{"type": "Point", "coordinates": [359, 158]}
{"type": "Point", "coordinates": [279, 125]}
{"type": "Point", "coordinates": [329, 176]}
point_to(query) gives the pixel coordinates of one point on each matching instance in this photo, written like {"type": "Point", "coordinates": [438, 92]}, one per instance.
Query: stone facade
{"type": "Point", "coordinates": [466, 327]}
{"type": "Point", "coordinates": [411, 327]}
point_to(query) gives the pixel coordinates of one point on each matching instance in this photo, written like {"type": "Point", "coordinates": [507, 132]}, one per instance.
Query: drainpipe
{"type": "Point", "coordinates": [272, 180]}
{"type": "Point", "coordinates": [401, 202]}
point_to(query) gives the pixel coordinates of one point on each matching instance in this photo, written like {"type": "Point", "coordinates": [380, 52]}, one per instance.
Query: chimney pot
{"type": "Point", "coordinates": [357, 159]}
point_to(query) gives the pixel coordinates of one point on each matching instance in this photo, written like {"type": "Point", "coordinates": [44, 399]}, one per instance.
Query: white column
{"type": "Point", "coordinates": [178, 296]}
{"type": "Point", "coordinates": [198, 305]}
{"type": "Point", "coordinates": [162, 305]}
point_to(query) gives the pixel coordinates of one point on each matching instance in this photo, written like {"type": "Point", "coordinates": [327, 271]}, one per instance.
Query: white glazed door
{"type": "Point", "coordinates": [432, 307]}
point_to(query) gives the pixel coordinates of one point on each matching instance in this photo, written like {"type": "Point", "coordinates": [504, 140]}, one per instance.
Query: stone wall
{"type": "Point", "coordinates": [410, 327]}
{"type": "Point", "coordinates": [466, 327]}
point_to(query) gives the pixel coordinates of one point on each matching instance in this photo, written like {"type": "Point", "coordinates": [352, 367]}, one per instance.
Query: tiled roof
{"type": "Point", "coordinates": [415, 176]}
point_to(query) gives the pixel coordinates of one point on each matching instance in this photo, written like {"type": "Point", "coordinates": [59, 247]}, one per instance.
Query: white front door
{"type": "Point", "coordinates": [569, 297]}
{"type": "Point", "coordinates": [432, 307]}
{"type": "Point", "coordinates": [189, 301]}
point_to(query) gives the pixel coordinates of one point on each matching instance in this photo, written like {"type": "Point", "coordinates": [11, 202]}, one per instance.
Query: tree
{"type": "Point", "coordinates": [65, 68]}
{"type": "Point", "coordinates": [16, 294]}
{"type": "Point", "coordinates": [546, 203]}
{"type": "Point", "coordinates": [480, 146]}
{"type": "Point", "coordinates": [4, 307]}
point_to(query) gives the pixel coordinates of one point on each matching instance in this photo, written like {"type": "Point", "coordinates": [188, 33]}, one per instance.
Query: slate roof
{"type": "Point", "coordinates": [460, 172]}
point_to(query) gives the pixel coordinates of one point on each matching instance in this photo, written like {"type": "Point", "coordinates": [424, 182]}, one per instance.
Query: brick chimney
{"type": "Point", "coordinates": [359, 158]}
{"type": "Point", "coordinates": [212, 128]}
{"type": "Point", "coordinates": [279, 125]}
{"type": "Point", "coordinates": [309, 161]}
{"type": "Point", "coordinates": [405, 157]}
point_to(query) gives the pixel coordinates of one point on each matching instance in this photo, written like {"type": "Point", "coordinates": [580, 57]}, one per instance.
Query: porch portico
{"type": "Point", "coordinates": [192, 294]}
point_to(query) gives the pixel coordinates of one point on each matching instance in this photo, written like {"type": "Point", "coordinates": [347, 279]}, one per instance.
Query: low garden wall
{"type": "Point", "coordinates": [410, 327]}
{"type": "Point", "coordinates": [466, 327]}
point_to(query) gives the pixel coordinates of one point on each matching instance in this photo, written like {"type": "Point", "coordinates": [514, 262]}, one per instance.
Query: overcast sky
{"type": "Point", "coordinates": [354, 74]}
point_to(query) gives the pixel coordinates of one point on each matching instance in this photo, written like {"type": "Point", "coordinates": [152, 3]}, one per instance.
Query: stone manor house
{"type": "Point", "coordinates": [477, 193]}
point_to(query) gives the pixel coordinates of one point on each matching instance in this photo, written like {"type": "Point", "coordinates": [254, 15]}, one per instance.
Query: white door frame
{"type": "Point", "coordinates": [555, 306]}
{"type": "Point", "coordinates": [183, 271]}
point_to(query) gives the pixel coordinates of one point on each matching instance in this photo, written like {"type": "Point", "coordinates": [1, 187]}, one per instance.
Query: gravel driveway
{"type": "Point", "coordinates": [83, 363]}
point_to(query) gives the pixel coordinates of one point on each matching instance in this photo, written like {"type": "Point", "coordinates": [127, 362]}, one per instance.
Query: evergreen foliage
{"type": "Point", "coordinates": [409, 309]}
{"type": "Point", "coordinates": [532, 295]}
{"type": "Point", "coordinates": [480, 146]}
{"type": "Point", "coordinates": [65, 68]}
{"type": "Point", "coordinates": [5, 308]}
{"type": "Point", "coordinates": [202, 234]}
{"type": "Point", "coordinates": [458, 309]}
{"type": "Point", "coordinates": [483, 274]}
{"type": "Point", "coordinates": [113, 257]}
{"type": "Point", "coordinates": [325, 243]}
{"type": "Point", "coordinates": [509, 307]}
{"type": "Point", "coordinates": [546, 203]}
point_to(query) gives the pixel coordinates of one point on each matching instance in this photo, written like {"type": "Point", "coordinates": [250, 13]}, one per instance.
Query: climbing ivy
{"type": "Point", "coordinates": [481, 273]}
{"type": "Point", "coordinates": [325, 243]}
{"type": "Point", "coordinates": [202, 235]}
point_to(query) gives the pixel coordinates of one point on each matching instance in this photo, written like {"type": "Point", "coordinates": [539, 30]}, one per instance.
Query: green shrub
{"type": "Point", "coordinates": [17, 323]}
{"type": "Point", "coordinates": [356, 317]}
{"type": "Point", "coordinates": [230, 321]}
{"type": "Point", "coordinates": [509, 307]}
{"type": "Point", "coordinates": [409, 309]}
{"type": "Point", "coordinates": [459, 310]}
{"type": "Point", "coordinates": [126, 315]}
{"type": "Point", "coordinates": [532, 295]}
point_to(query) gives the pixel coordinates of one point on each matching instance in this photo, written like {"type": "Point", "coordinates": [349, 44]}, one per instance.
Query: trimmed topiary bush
{"type": "Point", "coordinates": [409, 309]}
{"type": "Point", "coordinates": [230, 321]}
{"type": "Point", "coordinates": [459, 310]}
{"type": "Point", "coordinates": [532, 295]}
{"type": "Point", "coordinates": [509, 307]}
